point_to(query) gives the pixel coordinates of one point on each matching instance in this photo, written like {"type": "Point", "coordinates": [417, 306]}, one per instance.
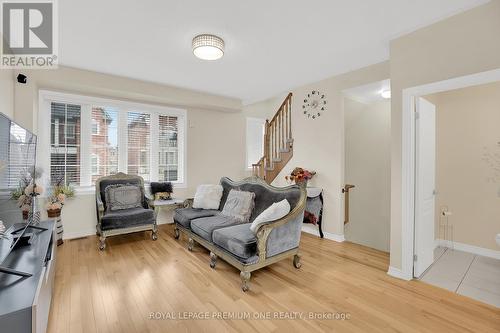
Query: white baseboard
{"type": "Point", "coordinates": [311, 229]}
{"type": "Point", "coordinates": [397, 273]}
{"type": "Point", "coordinates": [79, 234]}
{"type": "Point", "coordinates": [481, 251]}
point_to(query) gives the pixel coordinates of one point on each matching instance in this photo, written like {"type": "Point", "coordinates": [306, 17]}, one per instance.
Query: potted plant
{"type": "Point", "coordinates": [26, 191]}
{"type": "Point", "coordinates": [59, 192]}
{"type": "Point", "coordinates": [300, 176]}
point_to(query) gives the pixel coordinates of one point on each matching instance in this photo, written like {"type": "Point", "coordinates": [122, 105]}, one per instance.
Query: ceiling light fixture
{"type": "Point", "coordinates": [208, 47]}
{"type": "Point", "coordinates": [385, 94]}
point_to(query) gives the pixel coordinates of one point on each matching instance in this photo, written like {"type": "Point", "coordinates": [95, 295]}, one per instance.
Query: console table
{"type": "Point", "coordinates": [25, 301]}
{"type": "Point", "coordinates": [314, 207]}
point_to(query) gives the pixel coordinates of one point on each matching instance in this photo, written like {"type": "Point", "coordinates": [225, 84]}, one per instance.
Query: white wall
{"type": "Point", "coordinates": [468, 163]}
{"type": "Point", "coordinates": [7, 92]}
{"type": "Point", "coordinates": [368, 167]}
{"type": "Point", "coordinates": [211, 121]}
{"type": "Point", "coordinates": [464, 44]}
{"type": "Point", "coordinates": [319, 144]}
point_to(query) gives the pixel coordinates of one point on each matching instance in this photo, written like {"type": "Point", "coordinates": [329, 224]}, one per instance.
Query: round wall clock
{"type": "Point", "coordinates": [314, 104]}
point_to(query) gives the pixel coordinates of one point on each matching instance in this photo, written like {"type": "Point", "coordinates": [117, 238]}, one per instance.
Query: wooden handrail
{"type": "Point", "coordinates": [277, 139]}
{"type": "Point", "coordinates": [288, 97]}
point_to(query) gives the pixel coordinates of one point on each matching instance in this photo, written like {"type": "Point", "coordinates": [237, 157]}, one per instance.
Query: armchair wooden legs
{"type": "Point", "coordinates": [296, 261]}
{"type": "Point", "coordinates": [154, 233]}
{"type": "Point", "coordinates": [190, 244]}
{"type": "Point", "coordinates": [177, 234]}
{"type": "Point", "coordinates": [102, 243]}
{"type": "Point", "coordinates": [213, 260]}
{"type": "Point", "coordinates": [245, 278]}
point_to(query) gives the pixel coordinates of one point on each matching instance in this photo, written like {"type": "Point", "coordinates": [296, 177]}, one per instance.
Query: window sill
{"type": "Point", "coordinates": [90, 190]}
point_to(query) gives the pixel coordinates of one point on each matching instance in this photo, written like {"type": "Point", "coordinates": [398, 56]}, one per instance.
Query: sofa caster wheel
{"type": "Point", "coordinates": [190, 244]}
{"type": "Point", "coordinates": [177, 234]}
{"type": "Point", "coordinates": [102, 244]}
{"type": "Point", "coordinates": [154, 235]}
{"type": "Point", "coordinates": [245, 277]}
{"type": "Point", "coordinates": [296, 261]}
{"type": "Point", "coordinates": [213, 260]}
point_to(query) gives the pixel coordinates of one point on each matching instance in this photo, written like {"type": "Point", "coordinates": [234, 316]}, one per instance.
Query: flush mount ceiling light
{"type": "Point", "coordinates": [208, 47]}
{"type": "Point", "coordinates": [385, 94]}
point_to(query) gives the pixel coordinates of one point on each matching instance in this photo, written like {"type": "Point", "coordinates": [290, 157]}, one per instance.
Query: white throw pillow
{"type": "Point", "coordinates": [207, 196]}
{"type": "Point", "coordinates": [272, 213]}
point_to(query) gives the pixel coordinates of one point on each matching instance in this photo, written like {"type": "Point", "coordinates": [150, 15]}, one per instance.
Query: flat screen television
{"type": "Point", "coordinates": [17, 157]}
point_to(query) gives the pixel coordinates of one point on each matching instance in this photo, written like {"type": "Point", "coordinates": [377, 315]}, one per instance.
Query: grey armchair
{"type": "Point", "coordinates": [123, 221]}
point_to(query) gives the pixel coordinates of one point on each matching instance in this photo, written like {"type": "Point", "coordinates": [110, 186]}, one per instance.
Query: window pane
{"type": "Point", "coordinates": [138, 138]}
{"type": "Point", "coordinates": [65, 143]}
{"type": "Point", "coordinates": [104, 144]}
{"type": "Point", "coordinates": [167, 148]}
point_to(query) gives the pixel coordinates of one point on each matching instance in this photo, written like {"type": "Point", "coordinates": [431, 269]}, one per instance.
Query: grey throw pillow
{"type": "Point", "coordinates": [123, 196]}
{"type": "Point", "coordinates": [239, 204]}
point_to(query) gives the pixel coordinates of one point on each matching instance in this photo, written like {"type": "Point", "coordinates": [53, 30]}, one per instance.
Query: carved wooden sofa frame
{"type": "Point", "coordinates": [262, 236]}
{"type": "Point", "coordinates": [103, 234]}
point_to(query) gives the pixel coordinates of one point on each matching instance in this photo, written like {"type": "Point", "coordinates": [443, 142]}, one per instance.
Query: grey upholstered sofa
{"type": "Point", "coordinates": [233, 241]}
{"type": "Point", "coordinates": [123, 221]}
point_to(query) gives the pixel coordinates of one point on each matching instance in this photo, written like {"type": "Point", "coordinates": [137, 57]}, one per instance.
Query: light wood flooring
{"type": "Point", "coordinates": [118, 289]}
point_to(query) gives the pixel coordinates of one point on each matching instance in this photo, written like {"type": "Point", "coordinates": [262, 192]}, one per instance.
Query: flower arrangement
{"type": "Point", "coordinates": [27, 190]}
{"type": "Point", "coordinates": [300, 175]}
{"type": "Point", "coordinates": [58, 195]}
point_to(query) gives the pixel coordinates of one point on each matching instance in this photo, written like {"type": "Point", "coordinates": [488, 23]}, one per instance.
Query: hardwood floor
{"type": "Point", "coordinates": [117, 290]}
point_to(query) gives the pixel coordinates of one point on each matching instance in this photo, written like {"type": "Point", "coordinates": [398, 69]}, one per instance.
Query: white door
{"type": "Point", "coordinates": [425, 185]}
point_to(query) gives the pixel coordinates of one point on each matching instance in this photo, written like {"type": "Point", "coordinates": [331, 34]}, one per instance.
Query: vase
{"type": "Point", "coordinates": [56, 214]}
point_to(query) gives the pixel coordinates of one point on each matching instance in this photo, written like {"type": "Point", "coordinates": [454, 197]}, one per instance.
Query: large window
{"type": "Point", "coordinates": [93, 137]}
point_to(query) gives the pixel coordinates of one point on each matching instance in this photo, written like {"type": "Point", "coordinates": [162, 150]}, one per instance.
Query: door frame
{"type": "Point", "coordinates": [408, 159]}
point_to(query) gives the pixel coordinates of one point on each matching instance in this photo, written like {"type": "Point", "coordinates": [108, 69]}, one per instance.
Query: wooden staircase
{"type": "Point", "coordinates": [278, 143]}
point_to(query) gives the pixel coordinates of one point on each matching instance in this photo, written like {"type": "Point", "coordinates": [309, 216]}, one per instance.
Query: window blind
{"type": "Point", "coordinates": [138, 144]}
{"type": "Point", "coordinates": [168, 149]}
{"type": "Point", "coordinates": [65, 143]}
{"type": "Point", "coordinates": [104, 142]}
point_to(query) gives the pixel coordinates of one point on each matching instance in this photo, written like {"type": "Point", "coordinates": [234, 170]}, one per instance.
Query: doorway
{"type": "Point", "coordinates": [455, 182]}
{"type": "Point", "coordinates": [367, 119]}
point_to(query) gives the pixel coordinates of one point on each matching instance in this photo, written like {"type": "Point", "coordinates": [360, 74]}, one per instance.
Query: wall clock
{"type": "Point", "coordinates": [314, 104]}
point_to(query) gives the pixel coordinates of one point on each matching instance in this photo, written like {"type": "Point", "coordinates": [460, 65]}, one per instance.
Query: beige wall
{"type": "Point", "coordinates": [463, 44]}
{"type": "Point", "coordinates": [7, 92]}
{"type": "Point", "coordinates": [368, 167]}
{"type": "Point", "coordinates": [319, 144]}
{"type": "Point", "coordinates": [210, 154]}
{"type": "Point", "coordinates": [468, 163]}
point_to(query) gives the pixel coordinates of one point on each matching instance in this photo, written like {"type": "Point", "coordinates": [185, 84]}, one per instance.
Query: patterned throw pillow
{"type": "Point", "coordinates": [239, 204]}
{"type": "Point", "coordinates": [123, 196]}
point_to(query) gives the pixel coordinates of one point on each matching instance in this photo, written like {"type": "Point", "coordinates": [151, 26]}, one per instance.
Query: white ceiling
{"type": "Point", "coordinates": [271, 46]}
{"type": "Point", "coordinates": [368, 93]}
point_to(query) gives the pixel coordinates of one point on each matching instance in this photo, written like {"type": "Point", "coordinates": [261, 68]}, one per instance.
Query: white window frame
{"type": "Point", "coordinates": [46, 97]}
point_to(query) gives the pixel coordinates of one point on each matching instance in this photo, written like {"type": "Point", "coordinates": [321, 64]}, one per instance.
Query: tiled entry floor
{"type": "Point", "coordinates": [466, 274]}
